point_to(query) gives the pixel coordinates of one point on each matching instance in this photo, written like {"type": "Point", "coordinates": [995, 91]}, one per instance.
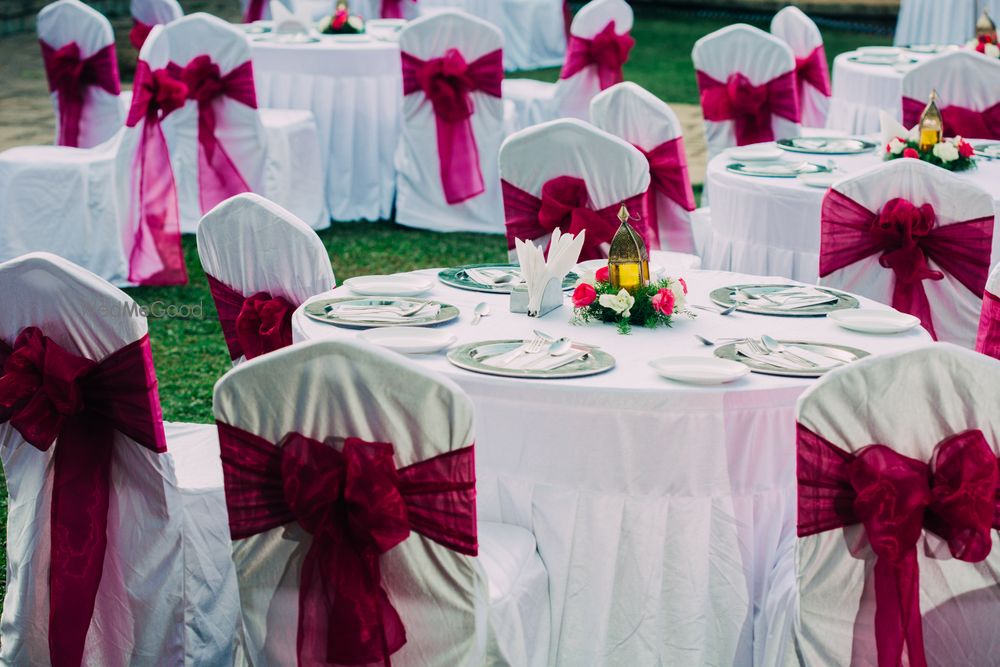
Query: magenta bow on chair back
{"type": "Point", "coordinates": [896, 498]}
{"type": "Point", "coordinates": [749, 106]}
{"type": "Point", "coordinates": [157, 257]}
{"type": "Point", "coordinates": [905, 237]}
{"type": "Point", "coordinates": [252, 325]}
{"type": "Point", "coordinates": [139, 32]}
{"type": "Point", "coordinates": [813, 70]}
{"type": "Point", "coordinates": [958, 121]}
{"type": "Point", "coordinates": [607, 51]}
{"type": "Point", "coordinates": [356, 505]}
{"type": "Point", "coordinates": [669, 178]}
{"type": "Point", "coordinates": [393, 9]}
{"type": "Point", "coordinates": [69, 75]}
{"type": "Point", "coordinates": [254, 11]}
{"type": "Point", "coordinates": [565, 204]}
{"type": "Point", "coordinates": [988, 338]}
{"type": "Point", "coordinates": [47, 394]}
{"type": "Point", "coordinates": [448, 82]}
{"type": "Point", "coordinates": [218, 177]}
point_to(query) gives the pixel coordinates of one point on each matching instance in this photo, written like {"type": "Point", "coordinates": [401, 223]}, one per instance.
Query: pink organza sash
{"type": "Point", "coordinates": [448, 82]}
{"type": "Point", "coordinates": [254, 11]}
{"type": "Point", "coordinates": [988, 339]}
{"type": "Point", "coordinates": [252, 325]}
{"type": "Point", "coordinates": [907, 237]}
{"type": "Point", "coordinates": [567, 19]}
{"type": "Point", "coordinates": [138, 34]}
{"type": "Point", "coordinates": [69, 75]}
{"type": "Point", "coordinates": [49, 394]}
{"type": "Point", "coordinates": [958, 121]}
{"type": "Point", "coordinates": [669, 177]}
{"type": "Point", "coordinates": [750, 107]}
{"type": "Point", "coordinates": [157, 257]}
{"type": "Point", "coordinates": [357, 506]}
{"type": "Point", "coordinates": [393, 9]}
{"type": "Point", "coordinates": [813, 70]}
{"type": "Point", "coordinates": [607, 51]}
{"type": "Point", "coordinates": [896, 498]}
{"type": "Point", "coordinates": [565, 204]}
{"type": "Point", "coordinates": [218, 177]}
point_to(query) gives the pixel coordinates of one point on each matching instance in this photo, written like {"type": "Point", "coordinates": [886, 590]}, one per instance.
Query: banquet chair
{"type": "Point", "coordinates": [897, 555]}
{"type": "Point", "coordinates": [386, 9]}
{"type": "Point", "coordinates": [968, 87]}
{"type": "Point", "coordinates": [632, 113]}
{"type": "Point", "coordinates": [261, 263]}
{"type": "Point", "coordinates": [359, 436]}
{"type": "Point", "coordinates": [812, 74]}
{"type": "Point", "coordinates": [147, 13]}
{"type": "Point", "coordinates": [117, 549]}
{"type": "Point", "coordinates": [746, 80]}
{"type": "Point", "coordinates": [568, 174]}
{"type": "Point", "coordinates": [915, 236]}
{"type": "Point", "coordinates": [988, 337]}
{"type": "Point", "coordinates": [446, 160]}
{"type": "Point", "coordinates": [599, 45]}
{"type": "Point", "coordinates": [923, 22]}
{"type": "Point", "coordinates": [78, 50]}
{"type": "Point", "coordinates": [534, 32]}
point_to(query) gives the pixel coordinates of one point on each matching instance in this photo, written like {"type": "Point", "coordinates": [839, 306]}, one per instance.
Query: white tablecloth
{"type": "Point", "coordinates": [936, 21]}
{"type": "Point", "coordinates": [771, 226]}
{"type": "Point", "coordinates": [354, 87]}
{"type": "Point", "coordinates": [658, 507]}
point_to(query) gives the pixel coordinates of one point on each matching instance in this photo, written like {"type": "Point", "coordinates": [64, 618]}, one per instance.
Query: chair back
{"type": "Point", "coordinates": [147, 13]}
{"type": "Point", "coordinates": [968, 88]}
{"type": "Point", "coordinates": [988, 338]}
{"type": "Point", "coordinates": [812, 72]}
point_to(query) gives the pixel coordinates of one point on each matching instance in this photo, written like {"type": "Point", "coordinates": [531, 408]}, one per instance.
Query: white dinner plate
{"type": "Point", "coordinates": [397, 285]}
{"type": "Point", "coordinates": [821, 180]}
{"type": "Point", "coordinates": [699, 370]}
{"type": "Point", "coordinates": [875, 321]}
{"type": "Point", "coordinates": [880, 51]}
{"type": "Point", "coordinates": [409, 340]}
{"type": "Point", "coordinates": [755, 153]}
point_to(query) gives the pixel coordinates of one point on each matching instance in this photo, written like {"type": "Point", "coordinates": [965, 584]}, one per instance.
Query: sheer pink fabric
{"type": "Point", "coordinates": [69, 75]}
{"type": "Point", "coordinates": [138, 34]}
{"type": "Point", "coordinates": [252, 325]}
{"type": "Point", "coordinates": [750, 107]}
{"type": "Point", "coordinates": [393, 9]}
{"type": "Point", "coordinates": [988, 339]}
{"type": "Point", "coordinates": [607, 51]}
{"type": "Point", "coordinates": [813, 70]}
{"type": "Point", "coordinates": [669, 178]}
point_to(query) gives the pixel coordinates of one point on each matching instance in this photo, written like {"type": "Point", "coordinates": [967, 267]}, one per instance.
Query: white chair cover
{"type": "Point", "coordinates": [155, 12]}
{"type": "Point", "coordinates": [948, 391]}
{"type": "Point", "coordinates": [792, 26]}
{"type": "Point", "coordinates": [935, 22]}
{"type": "Point", "coordinates": [760, 57]}
{"type": "Point", "coordinates": [955, 309]}
{"type": "Point", "coordinates": [534, 33]}
{"type": "Point", "coordinates": [168, 591]}
{"type": "Point", "coordinates": [537, 101]}
{"type": "Point", "coordinates": [253, 245]}
{"type": "Point", "coordinates": [420, 196]}
{"type": "Point", "coordinates": [333, 390]}
{"type": "Point", "coordinates": [66, 21]}
{"type": "Point", "coordinates": [962, 79]}
{"type": "Point", "coordinates": [636, 115]}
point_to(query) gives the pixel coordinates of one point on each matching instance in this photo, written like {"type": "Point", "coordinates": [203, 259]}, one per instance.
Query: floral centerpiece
{"type": "Point", "coordinates": [650, 305]}
{"type": "Point", "coordinates": [953, 154]}
{"type": "Point", "coordinates": [341, 22]}
{"type": "Point", "coordinates": [986, 45]}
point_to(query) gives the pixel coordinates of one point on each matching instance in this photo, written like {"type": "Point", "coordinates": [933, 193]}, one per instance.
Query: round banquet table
{"type": "Point", "coordinates": [658, 508]}
{"type": "Point", "coordinates": [354, 87]}
{"type": "Point", "coordinates": [771, 226]}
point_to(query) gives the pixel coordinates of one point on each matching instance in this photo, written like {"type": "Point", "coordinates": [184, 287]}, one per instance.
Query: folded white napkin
{"type": "Point", "coordinates": [539, 361]}
{"type": "Point", "coordinates": [490, 277]}
{"type": "Point", "coordinates": [287, 22]}
{"type": "Point", "coordinates": [792, 298]}
{"type": "Point", "coordinates": [784, 362]}
{"type": "Point", "coordinates": [382, 313]}
{"type": "Point", "coordinates": [537, 272]}
{"type": "Point", "coordinates": [892, 128]}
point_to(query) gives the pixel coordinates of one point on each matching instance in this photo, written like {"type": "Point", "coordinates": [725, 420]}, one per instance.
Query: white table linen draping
{"type": "Point", "coordinates": [658, 508]}
{"type": "Point", "coordinates": [936, 22]}
{"type": "Point", "coordinates": [354, 88]}
{"type": "Point", "coordinates": [861, 91]}
{"type": "Point", "coordinates": [771, 225]}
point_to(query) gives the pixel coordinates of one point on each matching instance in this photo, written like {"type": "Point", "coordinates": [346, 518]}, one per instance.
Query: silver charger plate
{"type": "Point", "coordinates": [723, 297]}
{"type": "Point", "coordinates": [455, 277]}
{"type": "Point", "coordinates": [316, 310]}
{"type": "Point", "coordinates": [729, 352]}
{"type": "Point", "coordinates": [989, 150]}
{"type": "Point", "coordinates": [466, 357]}
{"type": "Point", "coordinates": [826, 145]}
{"type": "Point", "coordinates": [869, 60]}
{"type": "Point", "coordinates": [774, 170]}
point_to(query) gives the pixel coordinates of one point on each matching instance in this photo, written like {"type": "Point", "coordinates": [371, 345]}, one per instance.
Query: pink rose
{"type": "Point", "coordinates": [965, 149]}
{"type": "Point", "coordinates": [601, 275]}
{"type": "Point", "coordinates": [339, 18]}
{"type": "Point", "coordinates": [663, 302]}
{"type": "Point", "coordinates": [684, 285]}
{"type": "Point", "coordinates": [584, 295]}
{"type": "Point", "coordinates": [911, 152]}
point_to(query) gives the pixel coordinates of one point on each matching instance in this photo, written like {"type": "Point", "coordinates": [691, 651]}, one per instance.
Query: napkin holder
{"type": "Point", "coordinates": [552, 298]}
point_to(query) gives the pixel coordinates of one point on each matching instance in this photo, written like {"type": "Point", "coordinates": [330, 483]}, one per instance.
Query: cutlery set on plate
{"type": "Point", "coordinates": [540, 353]}
{"type": "Point", "coordinates": [791, 356]}
{"type": "Point", "coordinates": [383, 311]}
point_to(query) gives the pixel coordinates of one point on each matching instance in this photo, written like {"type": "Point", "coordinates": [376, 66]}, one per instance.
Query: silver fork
{"type": "Point", "coordinates": [533, 346]}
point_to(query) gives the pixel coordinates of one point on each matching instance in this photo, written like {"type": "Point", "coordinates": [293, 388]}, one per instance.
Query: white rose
{"type": "Point", "coordinates": [896, 146]}
{"type": "Point", "coordinates": [621, 303]}
{"type": "Point", "coordinates": [914, 135]}
{"type": "Point", "coordinates": [946, 151]}
{"type": "Point", "coordinates": [588, 278]}
{"type": "Point", "coordinates": [679, 295]}
{"type": "Point", "coordinates": [993, 51]}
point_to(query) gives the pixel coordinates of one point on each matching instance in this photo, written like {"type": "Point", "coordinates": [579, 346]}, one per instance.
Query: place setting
{"type": "Point", "coordinates": [881, 55]}
{"type": "Point", "coordinates": [539, 356]}
{"type": "Point", "coordinates": [789, 358]}
{"type": "Point", "coordinates": [827, 145]}
{"type": "Point", "coordinates": [778, 168]}
{"type": "Point", "coordinates": [496, 278]}
{"type": "Point", "coordinates": [364, 312]}
{"type": "Point", "coordinates": [788, 300]}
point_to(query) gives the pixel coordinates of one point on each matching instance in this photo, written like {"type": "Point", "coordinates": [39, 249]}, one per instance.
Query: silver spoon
{"type": "Point", "coordinates": [482, 310]}
{"type": "Point", "coordinates": [723, 311]}
{"type": "Point", "coordinates": [560, 347]}
{"type": "Point", "coordinates": [774, 347]}
{"type": "Point", "coordinates": [716, 341]}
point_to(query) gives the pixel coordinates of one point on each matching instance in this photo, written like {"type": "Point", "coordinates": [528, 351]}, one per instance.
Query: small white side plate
{"type": "Point", "coordinates": [755, 153]}
{"type": "Point", "coordinates": [699, 370]}
{"type": "Point", "coordinates": [874, 321]}
{"type": "Point", "coordinates": [397, 285]}
{"type": "Point", "coordinates": [821, 180]}
{"type": "Point", "coordinates": [409, 340]}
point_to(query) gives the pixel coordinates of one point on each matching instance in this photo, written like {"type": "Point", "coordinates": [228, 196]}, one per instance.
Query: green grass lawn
{"type": "Point", "coordinates": [190, 354]}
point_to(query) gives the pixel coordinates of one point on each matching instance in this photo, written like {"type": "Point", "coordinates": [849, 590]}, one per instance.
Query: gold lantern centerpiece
{"type": "Point", "coordinates": [628, 258]}
{"type": "Point", "coordinates": [931, 124]}
{"type": "Point", "coordinates": [341, 4]}
{"type": "Point", "coordinates": [986, 28]}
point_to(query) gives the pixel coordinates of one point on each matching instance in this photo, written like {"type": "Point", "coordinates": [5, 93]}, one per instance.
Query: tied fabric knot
{"type": "Point", "coordinates": [357, 505]}
{"type": "Point", "coordinates": [69, 75]}
{"type": "Point", "coordinates": [959, 121]}
{"type": "Point", "coordinates": [448, 83]}
{"type": "Point", "coordinates": [669, 177]}
{"type": "Point", "coordinates": [902, 226]}
{"type": "Point", "coordinates": [813, 70]}
{"type": "Point", "coordinates": [750, 107]}
{"type": "Point", "coordinates": [52, 396]}
{"type": "Point", "coordinates": [253, 325]}
{"type": "Point", "coordinates": [896, 498]}
{"type": "Point", "coordinates": [607, 51]}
